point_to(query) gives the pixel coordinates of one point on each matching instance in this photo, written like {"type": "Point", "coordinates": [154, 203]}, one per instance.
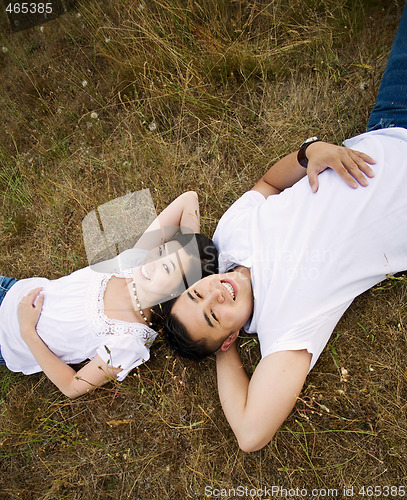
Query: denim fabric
{"type": "Point", "coordinates": [5, 285]}
{"type": "Point", "coordinates": [391, 104]}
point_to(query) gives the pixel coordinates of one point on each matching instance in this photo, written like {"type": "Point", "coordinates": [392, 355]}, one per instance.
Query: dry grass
{"type": "Point", "coordinates": [205, 96]}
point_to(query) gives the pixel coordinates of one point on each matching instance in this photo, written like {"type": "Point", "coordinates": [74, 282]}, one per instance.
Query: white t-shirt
{"type": "Point", "coordinates": [310, 254]}
{"type": "Point", "coordinates": [73, 324]}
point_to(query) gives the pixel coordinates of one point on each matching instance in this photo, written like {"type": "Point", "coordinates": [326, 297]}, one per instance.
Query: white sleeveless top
{"type": "Point", "coordinates": [73, 324]}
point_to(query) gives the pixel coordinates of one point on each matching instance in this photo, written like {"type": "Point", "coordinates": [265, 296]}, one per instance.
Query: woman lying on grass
{"type": "Point", "coordinates": [106, 317]}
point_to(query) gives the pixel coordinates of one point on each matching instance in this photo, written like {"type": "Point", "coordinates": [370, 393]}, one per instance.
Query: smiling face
{"type": "Point", "coordinates": [162, 273]}
{"type": "Point", "coordinates": [161, 251]}
{"type": "Point", "coordinates": [216, 306]}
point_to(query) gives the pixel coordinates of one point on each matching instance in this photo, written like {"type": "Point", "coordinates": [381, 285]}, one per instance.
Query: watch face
{"type": "Point", "coordinates": [309, 140]}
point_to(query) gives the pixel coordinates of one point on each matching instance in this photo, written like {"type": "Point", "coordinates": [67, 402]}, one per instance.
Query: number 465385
{"type": "Point", "coordinates": [29, 8]}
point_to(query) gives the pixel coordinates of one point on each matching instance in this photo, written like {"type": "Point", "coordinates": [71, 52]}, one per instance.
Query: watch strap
{"type": "Point", "coordinates": [301, 156]}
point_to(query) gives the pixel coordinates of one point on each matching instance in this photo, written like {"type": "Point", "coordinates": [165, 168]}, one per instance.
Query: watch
{"type": "Point", "coordinates": [301, 156]}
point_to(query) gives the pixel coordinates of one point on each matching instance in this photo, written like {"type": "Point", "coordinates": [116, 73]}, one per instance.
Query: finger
{"type": "Point", "coordinates": [40, 300]}
{"type": "Point", "coordinates": [362, 162]}
{"type": "Point", "coordinates": [27, 302]}
{"type": "Point", "coordinates": [358, 169]}
{"type": "Point", "coordinates": [27, 299]}
{"type": "Point", "coordinates": [30, 297]}
{"type": "Point", "coordinates": [313, 180]}
{"type": "Point", "coordinates": [364, 156]}
{"type": "Point", "coordinates": [344, 174]}
{"type": "Point", "coordinates": [353, 170]}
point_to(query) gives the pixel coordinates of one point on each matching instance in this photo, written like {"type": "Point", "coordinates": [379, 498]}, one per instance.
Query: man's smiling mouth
{"type": "Point", "coordinates": [229, 288]}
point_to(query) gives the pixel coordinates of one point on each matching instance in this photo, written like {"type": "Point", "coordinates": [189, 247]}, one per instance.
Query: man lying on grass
{"type": "Point", "coordinates": [293, 259]}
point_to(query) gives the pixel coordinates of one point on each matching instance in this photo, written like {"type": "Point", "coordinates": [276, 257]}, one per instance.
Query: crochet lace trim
{"type": "Point", "coordinates": [102, 324]}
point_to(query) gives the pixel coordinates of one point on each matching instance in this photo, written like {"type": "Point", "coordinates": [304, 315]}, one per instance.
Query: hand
{"type": "Point", "coordinates": [28, 313]}
{"type": "Point", "coordinates": [349, 164]}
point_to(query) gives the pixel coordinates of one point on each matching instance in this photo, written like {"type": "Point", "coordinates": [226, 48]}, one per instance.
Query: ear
{"type": "Point", "coordinates": [229, 341]}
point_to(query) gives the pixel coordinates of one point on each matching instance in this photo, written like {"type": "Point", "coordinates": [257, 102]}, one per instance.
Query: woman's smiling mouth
{"type": "Point", "coordinates": [144, 272]}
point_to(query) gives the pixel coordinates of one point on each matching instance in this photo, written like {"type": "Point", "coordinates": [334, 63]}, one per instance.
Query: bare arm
{"type": "Point", "coordinates": [68, 381]}
{"type": "Point", "coordinates": [256, 408]}
{"type": "Point", "coordinates": [182, 213]}
{"type": "Point", "coordinates": [349, 164]}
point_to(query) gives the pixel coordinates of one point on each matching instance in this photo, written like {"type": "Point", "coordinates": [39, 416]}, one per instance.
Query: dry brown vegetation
{"type": "Point", "coordinates": [189, 95]}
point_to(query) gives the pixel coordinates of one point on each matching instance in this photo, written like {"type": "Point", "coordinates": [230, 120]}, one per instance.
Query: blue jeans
{"type": "Point", "coordinates": [5, 285]}
{"type": "Point", "coordinates": [391, 104]}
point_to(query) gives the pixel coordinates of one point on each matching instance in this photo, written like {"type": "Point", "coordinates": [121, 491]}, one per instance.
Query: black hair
{"type": "Point", "coordinates": [179, 339]}
{"type": "Point", "coordinates": [207, 251]}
